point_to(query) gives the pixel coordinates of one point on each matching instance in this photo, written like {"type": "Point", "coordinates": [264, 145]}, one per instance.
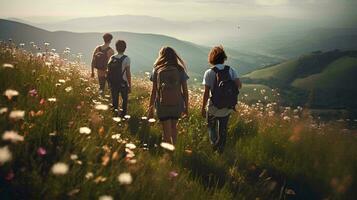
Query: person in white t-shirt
{"type": "Point", "coordinates": [119, 78]}
{"type": "Point", "coordinates": [217, 118]}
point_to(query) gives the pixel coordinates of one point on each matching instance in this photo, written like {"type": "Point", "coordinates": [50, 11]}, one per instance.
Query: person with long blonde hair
{"type": "Point", "coordinates": [169, 92]}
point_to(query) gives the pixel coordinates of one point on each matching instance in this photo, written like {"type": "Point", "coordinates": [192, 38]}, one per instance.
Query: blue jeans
{"type": "Point", "coordinates": [217, 130]}
{"type": "Point", "coordinates": [115, 99]}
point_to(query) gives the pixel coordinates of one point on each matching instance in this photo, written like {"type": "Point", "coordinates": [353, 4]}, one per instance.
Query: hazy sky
{"type": "Point", "coordinates": [335, 11]}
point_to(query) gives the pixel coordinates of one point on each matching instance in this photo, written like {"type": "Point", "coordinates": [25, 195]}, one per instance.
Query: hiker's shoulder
{"type": "Point", "coordinates": [209, 72]}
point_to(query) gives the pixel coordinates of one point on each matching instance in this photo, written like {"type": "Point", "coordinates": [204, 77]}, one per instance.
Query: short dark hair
{"type": "Point", "coordinates": [217, 55]}
{"type": "Point", "coordinates": [120, 45]}
{"type": "Point", "coordinates": [107, 37]}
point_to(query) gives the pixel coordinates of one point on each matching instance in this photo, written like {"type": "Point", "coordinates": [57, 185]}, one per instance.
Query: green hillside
{"type": "Point", "coordinates": [142, 48]}
{"type": "Point", "coordinates": [340, 74]}
{"type": "Point", "coordinates": [319, 79]}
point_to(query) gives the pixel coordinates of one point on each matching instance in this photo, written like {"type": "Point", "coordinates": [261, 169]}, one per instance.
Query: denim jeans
{"type": "Point", "coordinates": [217, 130]}
{"type": "Point", "coordinates": [116, 91]}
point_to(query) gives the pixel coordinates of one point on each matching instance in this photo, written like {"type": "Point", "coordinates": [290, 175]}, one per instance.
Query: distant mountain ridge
{"type": "Point", "coordinates": [142, 48]}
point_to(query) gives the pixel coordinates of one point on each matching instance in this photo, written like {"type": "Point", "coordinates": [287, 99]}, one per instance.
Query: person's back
{"type": "Point", "coordinates": [119, 78]}
{"type": "Point", "coordinates": [101, 56]}
{"type": "Point", "coordinates": [221, 91]}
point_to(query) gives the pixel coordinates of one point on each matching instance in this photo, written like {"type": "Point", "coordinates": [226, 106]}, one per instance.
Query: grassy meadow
{"type": "Point", "coordinates": [59, 140]}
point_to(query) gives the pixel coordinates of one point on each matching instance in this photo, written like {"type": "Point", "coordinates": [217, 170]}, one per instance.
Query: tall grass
{"type": "Point", "coordinates": [271, 152]}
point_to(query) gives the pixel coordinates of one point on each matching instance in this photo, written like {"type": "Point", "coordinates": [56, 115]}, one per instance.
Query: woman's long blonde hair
{"type": "Point", "coordinates": [168, 57]}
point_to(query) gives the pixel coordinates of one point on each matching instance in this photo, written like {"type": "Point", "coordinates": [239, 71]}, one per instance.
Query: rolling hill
{"type": "Point", "coordinates": [142, 48]}
{"type": "Point", "coordinates": [319, 79]}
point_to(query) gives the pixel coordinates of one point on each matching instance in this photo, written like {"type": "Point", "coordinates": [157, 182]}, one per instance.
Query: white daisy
{"type": "Point", "coordinates": [17, 114]}
{"type": "Point", "coordinates": [130, 146]}
{"type": "Point", "coordinates": [5, 155]}
{"type": "Point", "coordinates": [60, 168]}
{"type": "Point", "coordinates": [7, 65]}
{"type": "Point", "coordinates": [167, 146]}
{"type": "Point", "coordinates": [85, 130]}
{"type": "Point", "coordinates": [9, 93]}
{"type": "Point", "coordinates": [105, 197]}
{"type": "Point", "coordinates": [12, 136]}
{"type": "Point", "coordinates": [3, 110]}
{"type": "Point", "coordinates": [101, 107]}
{"type": "Point", "coordinates": [125, 178]}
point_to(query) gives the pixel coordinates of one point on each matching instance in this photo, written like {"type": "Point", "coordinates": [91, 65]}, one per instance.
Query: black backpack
{"type": "Point", "coordinates": [100, 59]}
{"type": "Point", "coordinates": [225, 91]}
{"type": "Point", "coordinates": [115, 72]}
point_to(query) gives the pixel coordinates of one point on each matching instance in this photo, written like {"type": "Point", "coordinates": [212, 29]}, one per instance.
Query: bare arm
{"type": "Point", "coordinates": [152, 99]}
{"type": "Point", "coordinates": [205, 100]}
{"type": "Point", "coordinates": [185, 96]}
{"type": "Point", "coordinates": [238, 83]}
{"type": "Point", "coordinates": [93, 58]}
{"type": "Point", "coordinates": [128, 75]}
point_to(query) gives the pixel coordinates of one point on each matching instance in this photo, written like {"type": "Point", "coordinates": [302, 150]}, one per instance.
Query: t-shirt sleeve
{"type": "Point", "coordinates": [127, 62]}
{"type": "Point", "coordinates": [206, 79]}
{"type": "Point", "coordinates": [234, 74]}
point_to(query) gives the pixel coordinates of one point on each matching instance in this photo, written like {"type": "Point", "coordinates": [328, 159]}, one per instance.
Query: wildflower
{"type": "Point", "coordinates": [7, 65]}
{"type": "Point", "coordinates": [41, 151]}
{"type": "Point", "coordinates": [167, 146]}
{"type": "Point", "coordinates": [116, 136]}
{"type": "Point", "coordinates": [101, 107]}
{"type": "Point", "coordinates": [127, 116]}
{"type": "Point", "coordinates": [286, 118]}
{"type": "Point", "coordinates": [74, 157]}
{"type": "Point", "coordinates": [5, 154]}
{"type": "Point", "coordinates": [59, 168]}
{"type": "Point", "coordinates": [9, 93]}
{"type": "Point", "coordinates": [144, 118]}
{"type": "Point", "coordinates": [89, 175]}
{"type": "Point", "coordinates": [52, 99]}
{"type": "Point", "coordinates": [105, 197]}
{"type": "Point", "coordinates": [100, 179]}
{"type": "Point", "coordinates": [42, 101]}
{"type": "Point", "coordinates": [61, 81]}
{"type": "Point", "coordinates": [12, 136]}
{"type": "Point", "coordinates": [68, 89]}
{"type": "Point", "coordinates": [53, 134]}
{"type": "Point", "coordinates": [48, 64]}
{"type": "Point", "coordinates": [3, 110]}
{"type": "Point", "coordinates": [125, 178]}
{"type": "Point", "coordinates": [173, 174]}
{"type": "Point", "coordinates": [33, 92]}
{"type": "Point", "coordinates": [17, 114]}
{"type": "Point", "coordinates": [152, 120]}
{"type": "Point", "coordinates": [85, 130]}
{"type": "Point", "coordinates": [117, 119]}
{"type": "Point", "coordinates": [131, 146]}
{"type": "Point", "coordinates": [58, 84]}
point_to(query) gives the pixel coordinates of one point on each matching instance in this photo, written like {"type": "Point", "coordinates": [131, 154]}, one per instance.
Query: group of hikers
{"type": "Point", "coordinates": [169, 94]}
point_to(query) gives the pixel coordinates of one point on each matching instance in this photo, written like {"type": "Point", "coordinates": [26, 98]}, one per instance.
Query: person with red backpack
{"type": "Point", "coordinates": [169, 92]}
{"type": "Point", "coordinates": [119, 78]}
{"type": "Point", "coordinates": [221, 93]}
{"type": "Point", "coordinates": [101, 56]}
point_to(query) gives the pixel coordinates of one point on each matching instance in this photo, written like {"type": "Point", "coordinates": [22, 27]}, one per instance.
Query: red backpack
{"type": "Point", "coordinates": [100, 60]}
